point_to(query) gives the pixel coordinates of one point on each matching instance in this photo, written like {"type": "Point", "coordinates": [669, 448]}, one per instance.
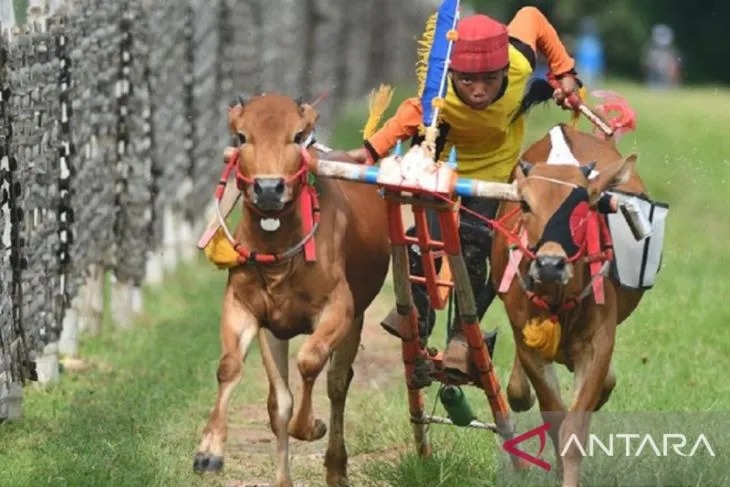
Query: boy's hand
{"type": "Point", "coordinates": [567, 86]}
{"type": "Point", "coordinates": [361, 155]}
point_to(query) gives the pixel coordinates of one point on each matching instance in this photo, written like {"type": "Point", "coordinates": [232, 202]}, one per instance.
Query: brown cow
{"type": "Point", "coordinates": [551, 277]}
{"type": "Point", "coordinates": [325, 298]}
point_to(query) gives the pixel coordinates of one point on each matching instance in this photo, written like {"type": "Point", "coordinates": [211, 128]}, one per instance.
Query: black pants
{"type": "Point", "coordinates": [476, 245]}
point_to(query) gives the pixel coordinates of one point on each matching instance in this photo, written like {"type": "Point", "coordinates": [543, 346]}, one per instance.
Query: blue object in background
{"type": "Point", "coordinates": [589, 58]}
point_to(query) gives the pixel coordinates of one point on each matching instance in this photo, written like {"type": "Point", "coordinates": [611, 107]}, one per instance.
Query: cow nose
{"type": "Point", "coordinates": [268, 191]}
{"type": "Point", "coordinates": [551, 268]}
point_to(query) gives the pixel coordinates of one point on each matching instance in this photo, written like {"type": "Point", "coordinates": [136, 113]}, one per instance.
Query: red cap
{"type": "Point", "coordinates": [481, 45]}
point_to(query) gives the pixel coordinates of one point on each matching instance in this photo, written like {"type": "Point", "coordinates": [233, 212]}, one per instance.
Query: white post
{"type": "Point", "coordinates": [92, 301]}
{"type": "Point", "coordinates": [68, 342]}
{"type": "Point", "coordinates": [169, 239]}
{"type": "Point", "coordinates": [154, 271]}
{"type": "Point", "coordinates": [47, 365]}
{"type": "Point", "coordinates": [11, 400]}
{"type": "Point", "coordinates": [137, 300]}
{"type": "Point", "coordinates": [121, 303]}
{"type": "Point", "coordinates": [187, 240]}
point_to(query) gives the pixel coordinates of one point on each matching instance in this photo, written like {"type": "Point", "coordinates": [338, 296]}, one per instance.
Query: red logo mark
{"type": "Point", "coordinates": [510, 446]}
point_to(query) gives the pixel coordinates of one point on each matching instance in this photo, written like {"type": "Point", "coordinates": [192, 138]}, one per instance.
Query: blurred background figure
{"type": "Point", "coordinates": [589, 57]}
{"type": "Point", "coordinates": [661, 59]}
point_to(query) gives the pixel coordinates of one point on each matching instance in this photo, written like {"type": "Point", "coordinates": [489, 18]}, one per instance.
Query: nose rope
{"type": "Point", "coordinates": [241, 179]}
{"type": "Point", "coordinates": [556, 181]}
{"type": "Point", "coordinates": [556, 309]}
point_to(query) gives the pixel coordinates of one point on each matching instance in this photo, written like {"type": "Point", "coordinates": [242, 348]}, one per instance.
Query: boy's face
{"type": "Point", "coordinates": [478, 90]}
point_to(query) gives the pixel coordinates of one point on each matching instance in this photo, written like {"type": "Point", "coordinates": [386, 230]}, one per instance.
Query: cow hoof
{"type": "Point", "coordinates": [520, 404]}
{"type": "Point", "coordinates": [318, 430]}
{"type": "Point", "coordinates": [315, 432]}
{"type": "Point", "coordinates": [204, 462]}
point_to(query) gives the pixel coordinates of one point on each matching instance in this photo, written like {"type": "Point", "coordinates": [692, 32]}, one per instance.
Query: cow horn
{"type": "Point", "coordinates": [526, 166]}
{"type": "Point", "coordinates": [240, 99]}
{"type": "Point", "coordinates": [588, 169]}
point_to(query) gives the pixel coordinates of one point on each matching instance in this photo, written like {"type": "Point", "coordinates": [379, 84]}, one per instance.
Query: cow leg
{"type": "Point", "coordinates": [540, 373]}
{"type": "Point", "coordinates": [238, 327]}
{"type": "Point", "coordinates": [592, 365]}
{"type": "Point", "coordinates": [275, 355]}
{"type": "Point", "coordinates": [519, 391]}
{"type": "Point", "coordinates": [335, 323]}
{"type": "Point", "coordinates": [608, 385]}
{"type": "Point", "coordinates": [339, 376]}
{"type": "Point", "coordinates": [544, 379]}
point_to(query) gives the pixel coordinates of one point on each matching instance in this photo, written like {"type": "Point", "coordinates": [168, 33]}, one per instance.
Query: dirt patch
{"type": "Point", "coordinates": [379, 360]}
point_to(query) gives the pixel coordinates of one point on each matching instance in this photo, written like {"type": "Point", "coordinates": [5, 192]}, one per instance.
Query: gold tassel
{"type": "Point", "coordinates": [378, 103]}
{"type": "Point", "coordinates": [424, 50]}
{"type": "Point", "coordinates": [543, 335]}
{"type": "Point", "coordinates": [220, 251]}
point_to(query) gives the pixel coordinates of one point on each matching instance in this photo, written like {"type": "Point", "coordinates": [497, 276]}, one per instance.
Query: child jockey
{"type": "Point", "coordinates": [484, 118]}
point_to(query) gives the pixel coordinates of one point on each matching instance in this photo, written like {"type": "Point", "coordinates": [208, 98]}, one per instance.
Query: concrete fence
{"type": "Point", "coordinates": [112, 124]}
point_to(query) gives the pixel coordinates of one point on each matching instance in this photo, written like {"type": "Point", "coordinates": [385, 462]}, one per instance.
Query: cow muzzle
{"type": "Point", "coordinates": [551, 269]}
{"type": "Point", "coordinates": [269, 193]}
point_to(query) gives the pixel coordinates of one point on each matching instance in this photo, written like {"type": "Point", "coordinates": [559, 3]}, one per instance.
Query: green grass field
{"type": "Point", "coordinates": [133, 417]}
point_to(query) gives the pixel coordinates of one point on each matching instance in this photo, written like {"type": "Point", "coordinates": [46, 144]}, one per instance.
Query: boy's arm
{"type": "Point", "coordinates": [400, 126]}
{"type": "Point", "coordinates": [530, 26]}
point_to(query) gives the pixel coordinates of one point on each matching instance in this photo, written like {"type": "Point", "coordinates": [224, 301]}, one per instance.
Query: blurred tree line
{"type": "Point", "coordinates": [625, 28]}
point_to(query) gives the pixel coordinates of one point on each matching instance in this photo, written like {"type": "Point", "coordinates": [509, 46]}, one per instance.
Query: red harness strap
{"type": "Point", "coordinates": [309, 208]}
{"type": "Point", "coordinates": [599, 248]}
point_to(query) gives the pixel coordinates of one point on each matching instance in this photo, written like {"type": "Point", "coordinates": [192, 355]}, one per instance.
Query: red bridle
{"type": "Point", "coordinates": [595, 249]}
{"type": "Point", "coordinates": [309, 206]}
{"type": "Point", "coordinates": [301, 174]}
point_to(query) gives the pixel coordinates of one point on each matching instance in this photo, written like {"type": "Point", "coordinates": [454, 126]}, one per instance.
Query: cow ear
{"type": "Point", "coordinates": [614, 175]}
{"type": "Point", "coordinates": [235, 110]}
{"type": "Point", "coordinates": [309, 114]}
{"type": "Point", "coordinates": [234, 114]}
{"type": "Point", "coordinates": [240, 99]}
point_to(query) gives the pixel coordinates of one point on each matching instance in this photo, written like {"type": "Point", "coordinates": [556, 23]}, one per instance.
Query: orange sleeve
{"type": "Point", "coordinates": [400, 126]}
{"type": "Point", "coordinates": [531, 27]}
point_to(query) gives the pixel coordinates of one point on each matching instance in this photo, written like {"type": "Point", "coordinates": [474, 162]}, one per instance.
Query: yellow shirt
{"type": "Point", "coordinates": [488, 141]}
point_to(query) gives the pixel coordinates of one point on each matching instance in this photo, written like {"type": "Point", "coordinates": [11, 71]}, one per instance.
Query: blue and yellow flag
{"type": "Point", "coordinates": [432, 67]}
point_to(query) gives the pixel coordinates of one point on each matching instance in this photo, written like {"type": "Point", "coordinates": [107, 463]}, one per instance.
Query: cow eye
{"type": "Point", "coordinates": [525, 206]}
{"type": "Point", "coordinates": [241, 138]}
{"type": "Point", "coordinates": [299, 137]}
